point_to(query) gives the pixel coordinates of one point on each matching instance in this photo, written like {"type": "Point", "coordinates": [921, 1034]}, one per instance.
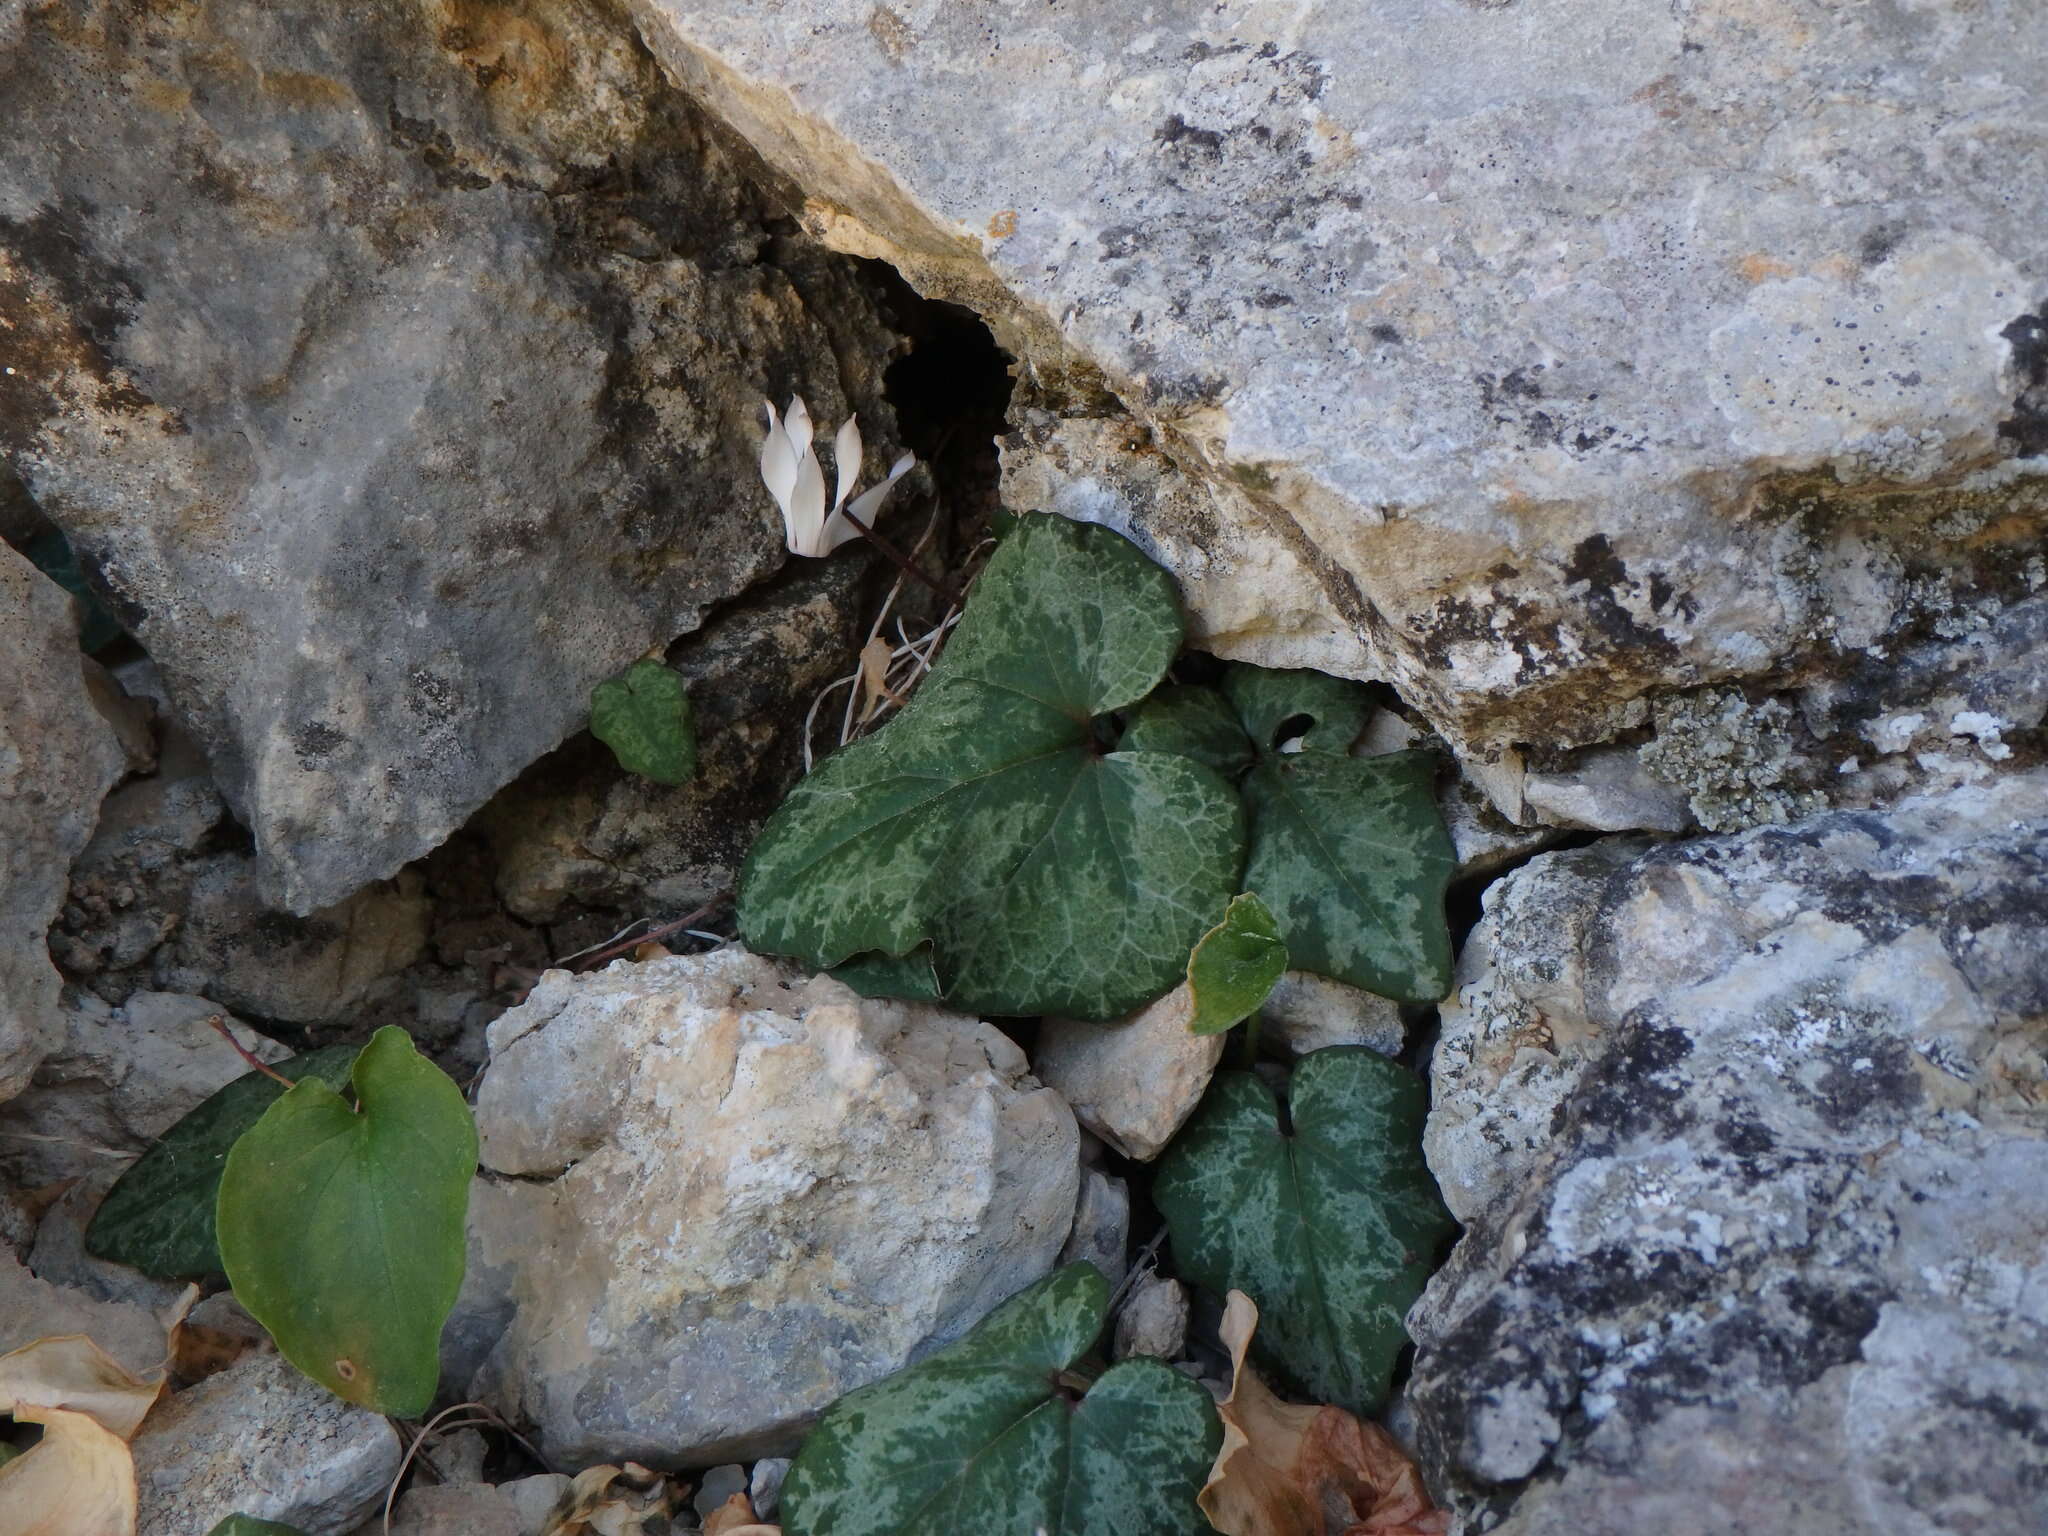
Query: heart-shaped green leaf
{"type": "Point", "coordinates": [1321, 712]}
{"type": "Point", "coordinates": [1048, 875]}
{"type": "Point", "coordinates": [985, 1438]}
{"type": "Point", "coordinates": [158, 1217]}
{"type": "Point", "coordinates": [342, 1229]}
{"type": "Point", "coordinates": [644, 716]}
{"type": "Point", "coordinates": [1348, 852]}
{"type": "Point", "coordinates": [249, 1525]}
{"type": "Point", "coordinates": [1234, 968]}
{"type": "Point", "coordinates": [1331, 1226]}
{"type": "Point", "coordinates": [1195, 722]}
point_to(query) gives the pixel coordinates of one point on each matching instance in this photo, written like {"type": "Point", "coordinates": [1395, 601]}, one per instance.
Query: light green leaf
{"type": "Point", "coordinates": [249, 1525]}
{"type": "Point", "coordinates": [342, 1229]}
{"type": "Point", "coordinates": [1353, 859]}
{"type": "Point", "coordinates": [1326, 713]}
{"type": "Point", "coordinates": [1233, 969]}
{"type": "Point", "coordinates": [1047, 875]}
{"type": "Point", "coordinates": [1194, 722]}
{"type": "Point", "coordinates": [1331, 1226]}
{"type": "Point", "coordinates": [644, 716]}
{"type": "Point", "coordinates": [158, 1217]}
{"type": "Point", "coordinates": [984, 1438]}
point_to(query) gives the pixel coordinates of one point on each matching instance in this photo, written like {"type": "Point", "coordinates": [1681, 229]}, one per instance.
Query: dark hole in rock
{"type": "Point", "coordinates": [951, 391]}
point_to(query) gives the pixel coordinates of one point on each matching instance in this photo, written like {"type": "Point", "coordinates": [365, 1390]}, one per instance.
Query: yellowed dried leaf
{"type": "Point", "coordinates": [73, 1373]}
{"type": "Point", "coordinates": [612, 1501]}
{"type": "Point", "coordinates": [78, 1480]}
{"type": "Point", "coordinates": [1297, 1469]}
{"type": "Point", "coordinates": [875, 659]}
{"type": "Point", "coordinates": [735, 1517]}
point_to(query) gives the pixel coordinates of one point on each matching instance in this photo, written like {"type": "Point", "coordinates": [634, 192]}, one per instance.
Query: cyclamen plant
{"type": "Point", "coordinates": [790, 470]}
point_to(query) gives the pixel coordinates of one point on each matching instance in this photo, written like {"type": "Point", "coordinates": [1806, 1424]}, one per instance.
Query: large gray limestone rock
{"type": "Point", "coordinates": [1429, 341]}
{"type": "Point", "coordinates": [397, 369]}
{"type": "Point", "coordinates": [717, 1195]}
{"type": "Point", "coordinates": [58, 759]}
{"type": "Point", "coordinates": [1750, 1137]}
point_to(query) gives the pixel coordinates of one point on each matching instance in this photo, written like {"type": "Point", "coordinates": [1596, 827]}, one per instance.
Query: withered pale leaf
{"type": "Point", "coordinates": [735, 1517]}
{"type": "Point", "coordinates": [78, 1478]}
{"type": "Point", "coordinates": [1298, 1469]}
{"type": "Point", "coordinates": [71, 1372]}
{"type": "Point", "coordinates": [612, 1501]}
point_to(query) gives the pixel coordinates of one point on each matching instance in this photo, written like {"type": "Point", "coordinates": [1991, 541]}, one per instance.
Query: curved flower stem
{"type": "Point", "coordinates": [897, 558]}
{"type": "Point", "coordinates": [220, 1024]}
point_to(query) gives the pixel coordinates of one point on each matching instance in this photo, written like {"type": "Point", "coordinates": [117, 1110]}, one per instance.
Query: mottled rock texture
{"type": "Point", "coordinates": [114, 1080]}
{"type": "Point", "coordinates": [1133, 1082]}
{"type": "Point", "coordinates": [260, 1439]}
{"type": "Point", "coordinates": [1432, 344]}
{"type": "Point", "coordinates": [58, 758]}
{"type": "Point", "coordinates": [396, 374]}
{"type": "Point", "coordinates": [718, 1194]}
{"type": "Point", "coordinates": [1750, 1137]}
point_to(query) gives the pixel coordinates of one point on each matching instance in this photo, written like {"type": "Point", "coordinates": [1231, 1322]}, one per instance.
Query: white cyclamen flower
{"type": "Point", "coordinates": [789, 468]}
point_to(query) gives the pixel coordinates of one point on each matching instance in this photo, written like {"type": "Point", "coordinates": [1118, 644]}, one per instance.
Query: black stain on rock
{"type": "Point", "coordinates": [2027, 428]}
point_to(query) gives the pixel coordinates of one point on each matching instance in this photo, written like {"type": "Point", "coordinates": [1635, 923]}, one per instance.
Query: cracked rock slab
{"type": "Point", "coordinates": [397, 377]}
{"type": "Point", "coordinates": [718, 1194]}
{"type": "Point", "coordinates": [58, 759]}
{"type": "Point", "coordinates": [1749, 1141]}
{"type": "Point", "coordinates": [1435, 346]}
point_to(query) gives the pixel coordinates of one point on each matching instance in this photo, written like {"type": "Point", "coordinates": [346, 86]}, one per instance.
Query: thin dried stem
{"type": "Point", "coordinates": [220, 1025]}
{"type": "Point", "coordinates": [655, 934]}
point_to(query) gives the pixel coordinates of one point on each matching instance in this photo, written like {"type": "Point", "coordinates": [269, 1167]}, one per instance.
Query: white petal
{"type": "Point", "coordinates": [796, 421]}
{"type": "Point", "coordinates": [869, 502]}
{"type": "Point", "coordinates": [846, 459]}
{"type": "Point", "coordinates": [806, 517]}
{"type": "Point", "coordinates": [778, 462]}
{"type": "Point", "coordinates": [838, 530]}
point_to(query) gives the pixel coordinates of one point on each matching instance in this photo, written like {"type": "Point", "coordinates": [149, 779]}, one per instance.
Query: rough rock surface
{"type": "Point", "coordinates": [1749, 1139]}
{"type": "Point", "coordinates": [1306, 1012]}
{"type": "Point", "coordinates": [1134, 1082]}
{"type": "Point", "coordinates": [260, 1439]}
{"type": "Point", "coordinates": [397, 374]}
{"type": "Point", "coordinates": [717, 1195]}
{"type": "Point", "coordinates": [58, 759]}
{"type": "Point", "coordinates": [115, 1080]}
{"type": "Point", "coordinates": [1532, 377]}
{"type": "Point", "coordinates": [576, 831]}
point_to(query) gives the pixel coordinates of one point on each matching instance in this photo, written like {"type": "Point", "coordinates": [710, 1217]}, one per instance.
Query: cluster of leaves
{"type": "Point", "coordinates": [1318, 1205]}
{"type": "Point", "coordinates": [339, 1221]}
{"type": "Point", "coordinates": [1045, 829]}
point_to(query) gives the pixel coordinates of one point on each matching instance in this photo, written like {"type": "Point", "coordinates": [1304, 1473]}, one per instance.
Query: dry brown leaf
{"type": "Point", "coordinates": [735, 1517]}
{"type": "Point", "coordinates": [875, 659]}
{"type": "Point", "coordinates": [78, 1480]}
{"type": "Point", "coordinates": [1296, 1469]}
{"type": "Point", "coordinates": [73, 1373]}
{"type": "Point", "coordinates": [611, 1501]}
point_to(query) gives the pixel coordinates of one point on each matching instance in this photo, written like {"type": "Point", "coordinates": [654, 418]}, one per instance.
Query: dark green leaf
{"type": "Point", "coordinates": [643, 715]}
{"type": "Point", "coordinates": [907, 976]}
{"type": "Point", "coordinates": [1194, 722]}
{"type": "Point", "coordinates": [1352, 858]}
{"type": "Point", "coordinates": [1233, 969]}
{"type": "Point", "coordinates": [1326, 713]}
{"type": "Point", "coordinates": [1047, 876]}
{"type": "Point", "coordinates": [1331, 1228]}
{"type": "Point", "coordinates": [342, 1229]}
{"type": "Point", "coordinates": [249, 1525]}
{"type": "Point", "coordinates": [979, 1440]}
{"type": "Point", "coordinates": [158, 1217]}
